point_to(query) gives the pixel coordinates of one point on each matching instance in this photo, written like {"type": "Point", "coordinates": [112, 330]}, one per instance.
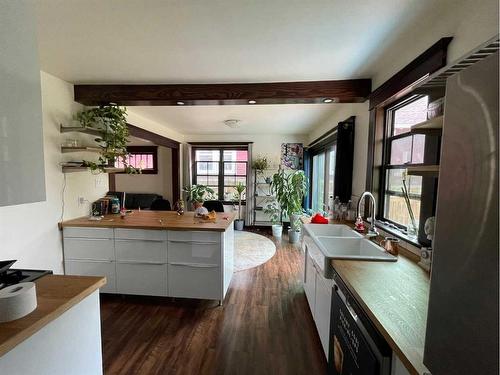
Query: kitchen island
{"type": "Point", "coordinates": [62, 335]}
{"type": "Point", "coordinates": [154, 253]}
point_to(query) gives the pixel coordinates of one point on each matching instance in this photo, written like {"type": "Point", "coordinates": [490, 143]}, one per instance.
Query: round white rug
{"type": "Point", "coordinates": [251, 250]}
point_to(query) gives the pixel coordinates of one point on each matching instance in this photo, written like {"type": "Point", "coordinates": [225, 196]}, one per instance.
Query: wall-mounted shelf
{"type": "Point", "coordinates": [83, 169]}
{"type": "Point", "coordinates": [79, 129]}
{"type": "Point", "coordinates": [65, 149]}
{"type": "Point", "coordinates": [433, 126]}
{"type": "Point", "coordinates": [423, 170]}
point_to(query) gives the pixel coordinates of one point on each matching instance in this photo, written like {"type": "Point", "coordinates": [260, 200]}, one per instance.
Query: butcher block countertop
{"type": "Point", "coordinates": [55, 295]}
{"type": "Point", "coordinates": [395, 296]}
{"type": "Point", "coordinates": [157, 220]}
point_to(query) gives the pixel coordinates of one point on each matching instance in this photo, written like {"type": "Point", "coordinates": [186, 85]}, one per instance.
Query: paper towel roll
{"type": "Point", "coordinates": [17, 301]}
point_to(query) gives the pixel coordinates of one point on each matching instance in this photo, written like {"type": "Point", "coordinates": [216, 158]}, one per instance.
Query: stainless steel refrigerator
{"type": "Point", "coordinates": [462, 326]}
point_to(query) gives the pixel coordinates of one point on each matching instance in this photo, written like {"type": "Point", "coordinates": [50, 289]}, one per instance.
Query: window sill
{"type": "Point", "coordinates": [398, 234]}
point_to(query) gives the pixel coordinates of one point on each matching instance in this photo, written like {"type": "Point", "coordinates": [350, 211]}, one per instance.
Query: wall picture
{"type": "Point", "coordinates": [292, 156]}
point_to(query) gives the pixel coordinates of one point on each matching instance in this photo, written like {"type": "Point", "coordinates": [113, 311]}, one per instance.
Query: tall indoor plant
{"type": "Point", "coordinates": [290, 190]}
{"type": "Point", "coordinates": [240, 188]}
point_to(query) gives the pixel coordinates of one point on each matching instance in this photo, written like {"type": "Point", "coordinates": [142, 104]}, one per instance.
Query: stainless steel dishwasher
{"type": "Point", "coordinates": [356, 347]}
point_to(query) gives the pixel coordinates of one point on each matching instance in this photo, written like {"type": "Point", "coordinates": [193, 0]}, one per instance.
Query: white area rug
{"type": "Point", "coordinates": [251, 250]}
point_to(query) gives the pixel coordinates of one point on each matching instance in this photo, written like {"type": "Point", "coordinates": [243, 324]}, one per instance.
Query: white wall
{"type": "Point", "coordinates": [160, 183]}
{"type": "Point", "coordinates": [469, 22]}
{"type": "Point", "coordinates": [29, 232]}
{"type": "Point", "coordinates": [263, 144]}
{"type": "Point", "coordinates": [153, 126]}
{"type": "Point", "coordinates": [344, 111]}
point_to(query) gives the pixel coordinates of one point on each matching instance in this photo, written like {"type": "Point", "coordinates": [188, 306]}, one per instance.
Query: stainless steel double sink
{"type": "Point", "coordinates": [325, 242]}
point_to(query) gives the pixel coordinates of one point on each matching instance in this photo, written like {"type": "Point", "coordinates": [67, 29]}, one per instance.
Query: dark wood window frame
{"type": "Point", "coordinates": [398, 88]}
{"type": "Point", "coordinates": [431, 156]}
{"type": "Point", "coordinates": [149, 150]}
{"type": "Point", "coordinates": [221, 148]}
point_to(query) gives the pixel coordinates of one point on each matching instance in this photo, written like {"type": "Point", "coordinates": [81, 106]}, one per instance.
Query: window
{"type": "Point", "coordinates": [402, 149]}
{"type": "Point", "coordinates": [141, 157]}
{"type": "Point", "coordinates": [221, 169]}
{"type": "Point", "coordinates": [323, 178]}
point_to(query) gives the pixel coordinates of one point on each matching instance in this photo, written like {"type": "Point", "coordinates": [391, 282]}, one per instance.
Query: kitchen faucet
{"type": "Point", "coordinates": [372, 230]}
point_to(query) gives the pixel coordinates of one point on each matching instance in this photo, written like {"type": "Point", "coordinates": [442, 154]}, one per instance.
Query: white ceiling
{"type": "Point", "coordinates": [216, 41]}
{"type": "Point", "coordinates": [178, 41]}
{"type": "Point", "coordinates": [255, 119]}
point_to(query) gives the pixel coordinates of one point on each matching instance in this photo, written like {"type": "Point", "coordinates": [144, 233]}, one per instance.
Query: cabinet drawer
{"type": "Point", "coordinates": [88, 232]}
{"type": "Point", "coordinates": [193, 236]}
{"type": "Point", "coordinates": [141, 234]}
{"type": "Point", "coordinates": [93, 268]}
{"type": "Point", "coordinates": [141, 279]}
{"type": "Point", "coordinates": [141, 251]}
{"type": "Point", "coordinates": [194, 281]}
{"type": "Point", "coordinates": [89, 248]}
{"type": "Point", "coordinates": [194, 252]}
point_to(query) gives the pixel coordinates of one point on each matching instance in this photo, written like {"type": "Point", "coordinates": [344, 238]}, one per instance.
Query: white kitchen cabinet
{"type": "Point", "coordinates": [186, 264]}
{"type": "Point", "coordinates": [94, 268]}
{"type": "Point", "coordinates": [141, 278]}
{"type": "Point", "coordinates": [89, 249]}
{"type": "Point", "coordinates": [141, 251]}
{"type": "Point", "coordinates": [22, 172]}
{"type": "Point", "coordinates": [310, 282]}
{"type": "Point", "coordinates": [318, 292]}
{"type": "Point", "coordinates": [191, 280]}
{"type": "Point", "coordinates": [322, 310]}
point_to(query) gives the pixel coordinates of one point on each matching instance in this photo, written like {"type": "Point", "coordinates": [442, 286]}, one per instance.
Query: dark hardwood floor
{"type": "Point", "coordinates": [264, 327]}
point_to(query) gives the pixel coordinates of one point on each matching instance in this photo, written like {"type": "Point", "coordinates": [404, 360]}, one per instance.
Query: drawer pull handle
{"type": "Point", "coordinates": [194, 242]}
{"type": "Point", "coordinates": [137, 239]}
{"type": "Point", "coordinates": [143, 263]}
{"type": "Point", "coordinates": [89, 260]}
{"type": "Point", "coordinates": [195, 265]}
{"type": "Point", "coordinates": [88, 239]}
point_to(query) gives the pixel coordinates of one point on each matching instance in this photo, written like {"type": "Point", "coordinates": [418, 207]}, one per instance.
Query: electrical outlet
{"type": "Point", "coordinates": [81, 201]}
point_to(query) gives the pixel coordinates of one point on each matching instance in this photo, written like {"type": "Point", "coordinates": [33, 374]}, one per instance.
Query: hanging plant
{"type": "Point", "coordinates": [111, 123]}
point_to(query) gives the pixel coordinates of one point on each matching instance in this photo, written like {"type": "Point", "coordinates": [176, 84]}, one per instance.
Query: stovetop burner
{"type": "Point", "coordinates": [11, 276]}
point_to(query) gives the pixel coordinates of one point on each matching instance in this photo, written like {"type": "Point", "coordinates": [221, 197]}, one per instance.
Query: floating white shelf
{"type": "Point", "coordinates": [432, 126]}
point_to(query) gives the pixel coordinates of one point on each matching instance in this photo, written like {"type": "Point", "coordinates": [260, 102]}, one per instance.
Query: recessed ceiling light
{"type": "Point", "coordinates": [328, 100]}
{"type": "Point", "coordinates": [252, 101]}
{"type": "Point", "coordinates": [180, 103]}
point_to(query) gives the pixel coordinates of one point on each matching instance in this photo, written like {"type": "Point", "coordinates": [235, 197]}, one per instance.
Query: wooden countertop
{"type": "Point", "coordinates": [395, 296]}
{"type": "Point", "coordinates": [157, 220]}
{"type": "Point", "coordinates": [55, 295]}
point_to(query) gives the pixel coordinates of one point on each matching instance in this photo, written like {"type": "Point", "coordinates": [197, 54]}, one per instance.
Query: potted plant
{"type": "Point", "coordinates": [290, 191]}
{"type": "Point", "coordinates": [111, 123]}
{"type": "Point", "coordinates": [260, 164]}
{"type": "Point", "coordinates": [197, 194]}
{"type": "Point", "coordinates": [240, 188]}
{"type": "Point", "coordinates": [273, 210]}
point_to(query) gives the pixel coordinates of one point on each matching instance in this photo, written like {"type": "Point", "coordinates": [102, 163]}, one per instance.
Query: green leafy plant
{"type": "Point", "coordinates": [240, 188]}
{"type": "Point", "coordinates": [273, 210]}
{"type": "Point", "coordinates": [111, 123]}
{"type": "Point", "coordinates": [290, 190]}
{"type": "Point", "coordinates": [260, 164]}
{"type": "Point", "coordinates": [199, 193]}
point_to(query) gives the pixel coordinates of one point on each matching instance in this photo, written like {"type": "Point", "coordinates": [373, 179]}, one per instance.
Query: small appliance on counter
{"type": "Point", "coordinates": [11, 276]}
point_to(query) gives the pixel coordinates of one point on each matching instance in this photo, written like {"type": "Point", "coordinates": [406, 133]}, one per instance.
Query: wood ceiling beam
{"type": "Point", "coordinates": [341, 91]}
